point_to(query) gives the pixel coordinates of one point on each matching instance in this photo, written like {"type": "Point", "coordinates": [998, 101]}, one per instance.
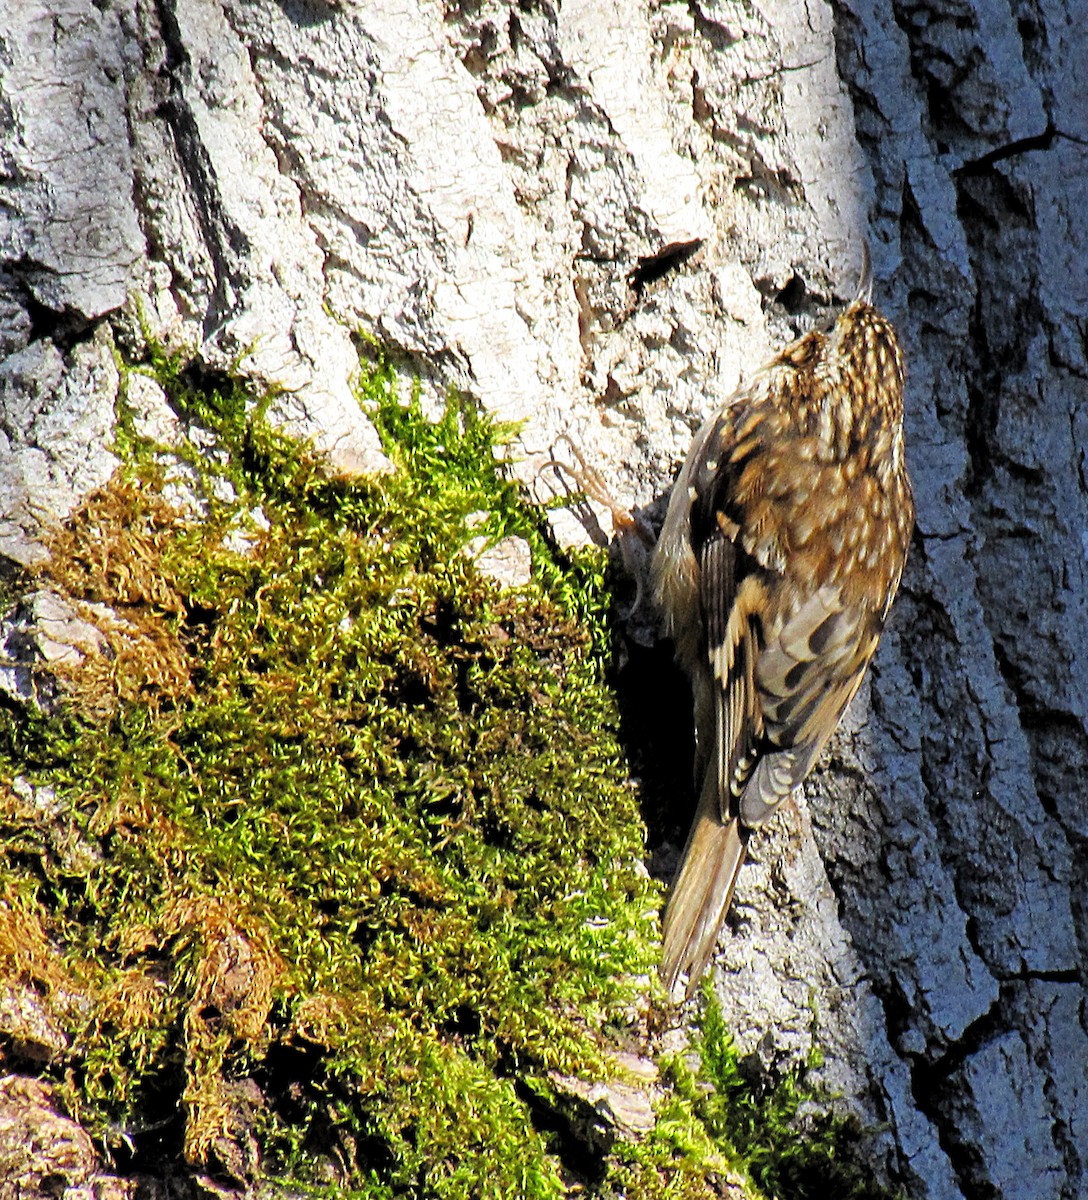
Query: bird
{"type": "Point", "coordinates": [782, 549]}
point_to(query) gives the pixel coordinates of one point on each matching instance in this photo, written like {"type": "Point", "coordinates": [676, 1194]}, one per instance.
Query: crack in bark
{"type": "Point", "coordinates": [1024, 145]}
{"type": "Point", "coordinates": [937, 1095]}
{"type": "Point", "coordinates": [224, 240]}
{"type": "Point", "coordinates": [652, 267]}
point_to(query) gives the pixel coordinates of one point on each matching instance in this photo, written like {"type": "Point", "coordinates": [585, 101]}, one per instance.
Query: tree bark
{"type": "Point", "coordinates": [597, 218]}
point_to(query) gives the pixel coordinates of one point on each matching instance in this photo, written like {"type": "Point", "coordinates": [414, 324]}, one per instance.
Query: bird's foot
{"type": "Point", "coordinates": [633, 533]}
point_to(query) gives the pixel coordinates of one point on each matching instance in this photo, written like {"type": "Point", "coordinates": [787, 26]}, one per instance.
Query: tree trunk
{"type": "Point", "coordinates": [596, 218]}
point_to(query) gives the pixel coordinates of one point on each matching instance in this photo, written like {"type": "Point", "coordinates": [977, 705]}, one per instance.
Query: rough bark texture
{"type": "Point", "coordinates": [596, 219]}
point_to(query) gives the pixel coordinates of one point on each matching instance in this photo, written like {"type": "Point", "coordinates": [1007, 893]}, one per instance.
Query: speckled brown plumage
{"type": "Point", "coordinates": [781, 552]}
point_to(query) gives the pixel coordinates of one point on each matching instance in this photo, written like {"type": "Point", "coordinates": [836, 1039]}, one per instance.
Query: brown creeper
{"type": "Point", "coordinates": [781, 552]}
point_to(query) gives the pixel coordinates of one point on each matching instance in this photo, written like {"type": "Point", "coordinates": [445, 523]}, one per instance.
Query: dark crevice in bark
{"type": "Point", "coordinates": [64, 328]}
{"type": "Point", "coordinates": [982, 164]}
{"type": "Point", "coordinates": [571, 1134]}
{"type": "Point", "coordinates": [1065, 1142]}
{"type": "Point", "coordinates": [1068, 976]}
{"type": "Point", "coordinates": [653, 267]}
{"type": "Point", "coordinates": [937, 1091]}
{"type": "Point", "coordinates": [223, 239]}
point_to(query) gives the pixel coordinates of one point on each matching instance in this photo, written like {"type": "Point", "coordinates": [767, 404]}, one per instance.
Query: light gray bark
{"type": "Point", "coordinates": [475, 184]}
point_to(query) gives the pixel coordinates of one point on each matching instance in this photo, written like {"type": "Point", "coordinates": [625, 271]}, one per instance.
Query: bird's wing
{"type": "Point", "coordinates": [731, 611]}
{"type": "Point", "coordinates": [805, 676]}
{"type": "Point", "coordinates": [728, 598]}
{"type": "Point", "coordinates": [677, 561]}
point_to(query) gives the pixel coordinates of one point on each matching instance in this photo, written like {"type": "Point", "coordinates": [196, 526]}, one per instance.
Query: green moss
{"type": "Point", "coordinates": [339, 858]}
{"type": "Point", "coordinates": [781, 1130]}
{"type": "Point", "coordinates": [357, 822]}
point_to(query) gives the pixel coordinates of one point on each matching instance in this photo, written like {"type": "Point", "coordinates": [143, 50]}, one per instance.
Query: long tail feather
{"type": "Point", "coordinates": [702, 892]}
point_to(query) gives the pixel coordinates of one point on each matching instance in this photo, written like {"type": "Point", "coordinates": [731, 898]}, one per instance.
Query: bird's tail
{"type": "Point", "coordinates": [703, 890]}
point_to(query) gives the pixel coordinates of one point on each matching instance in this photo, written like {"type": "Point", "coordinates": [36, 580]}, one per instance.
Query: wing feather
{"type": "Point", "coordinates": [733, 632]}
{"type": "Point", "coordinates": [807, 674]}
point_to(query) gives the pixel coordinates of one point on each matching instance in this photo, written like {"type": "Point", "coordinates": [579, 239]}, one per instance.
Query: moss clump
{"type": "Point", "coordinates": [360, 849]}
{"type": "Point", "coordinates": [781, 1131]}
